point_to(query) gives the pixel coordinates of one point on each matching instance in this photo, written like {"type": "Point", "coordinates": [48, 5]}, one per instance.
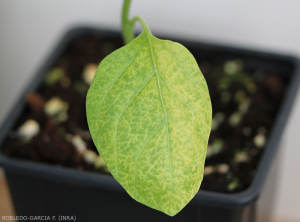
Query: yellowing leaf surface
{"type": "Point", "coordinates": [149, 114]}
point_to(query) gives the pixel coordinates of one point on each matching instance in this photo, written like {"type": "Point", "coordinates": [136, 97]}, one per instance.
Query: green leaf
{"type": "Point", "coordinates": [149, 114]}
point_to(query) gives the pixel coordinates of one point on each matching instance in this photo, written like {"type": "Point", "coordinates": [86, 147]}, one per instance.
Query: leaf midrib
{"type": "Point", "coordinates": [149, 36]}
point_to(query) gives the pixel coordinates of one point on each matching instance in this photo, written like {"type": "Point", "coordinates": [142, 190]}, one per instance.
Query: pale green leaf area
{"type": "Point", "coordinates": [149, 114]}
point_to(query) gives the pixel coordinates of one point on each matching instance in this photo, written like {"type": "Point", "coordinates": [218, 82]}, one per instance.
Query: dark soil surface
{"type": "Point", "coordinates": [246, 95]}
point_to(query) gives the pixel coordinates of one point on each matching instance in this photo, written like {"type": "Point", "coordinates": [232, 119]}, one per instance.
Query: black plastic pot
{"type": "Point", "coordinates": [40, 189]}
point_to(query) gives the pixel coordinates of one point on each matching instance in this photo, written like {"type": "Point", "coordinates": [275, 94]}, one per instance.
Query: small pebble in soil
{"type": "Point", "coordinates": [214, 124]}
{"type": "Point", "coordinates": [241, 157]}
{"type": "Point", "coordinates": [55, 106]}
{"type": "Point", "coordinates": [233, 184]}
{"type": "Point", "coordinates": [209, 151]}
{"type": "Point", "coordinates": [85, 134]}
{"type": "Point", "coordinates": [247, 131]}
{"type": "Point", "coordinates": [80, 87]}
{"type": "Point", "coordinates": [208, 170]}
{"type": "Point", "coordinates": [79, 144]}
{"type": "Point", "coordinates": [62, 117]}
{"type": "Point", "coordinates": [235, 119]}
{"type": "Point", "coordinates": [249, 83]}
{"type": "Point", "coordinates": [106, 170]}
{"type": "Point", "coordinates": [240, 96]}
{"type": "Point", "coordinates": [224, 83]}
{"type": "Point", "coordinates": [251, 87]}
{"type": "Point", "coordinates": [232, 67]}
{"type": "Point", "coordinates": [244, 106]}
{"type": "Point", "coordinates": [54, 75]}
{"type": "Point", "coordinates": [217, 145]}
{"type": "Point", "coordinates": [89, 72]}
{"type": "Point", "coordinates": [217, 120]}
{"type": "Point", "coordinates": [99, 163]}
{"type": "Point", "coordinates": [90, 156]}
{"type": "Point", "coordinates": [259, 140]}
{"type": "Point", "coordinates": [222, 168]}
{"type": "Point", "coordinates": [215, 148]}
{"type": "Point", "coordinates": [29, 129]}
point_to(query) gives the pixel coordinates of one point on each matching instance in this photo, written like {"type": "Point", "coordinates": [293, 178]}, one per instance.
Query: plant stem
{"type": "Point", "coordinates": [143, 23]}
{"type": "Point", "coordinates": [127, 25]}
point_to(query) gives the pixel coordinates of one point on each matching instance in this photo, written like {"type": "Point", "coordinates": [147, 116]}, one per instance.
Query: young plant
{"type": "Point", "coordinates": [149, 114]}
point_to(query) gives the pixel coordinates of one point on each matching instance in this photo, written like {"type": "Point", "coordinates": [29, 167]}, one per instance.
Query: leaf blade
{"type": "Point", "coordinates": [153, 121]}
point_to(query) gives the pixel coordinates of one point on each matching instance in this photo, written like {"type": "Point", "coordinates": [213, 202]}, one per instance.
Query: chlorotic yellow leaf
{"type": "Point", "coordinates": [149, 114]}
